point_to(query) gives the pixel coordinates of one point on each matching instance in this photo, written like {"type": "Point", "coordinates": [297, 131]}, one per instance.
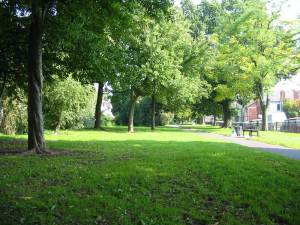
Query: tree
{"type": "Point", "coordinates": [166, 44]}
{"type": "Point", "coordinates": [207, 106]}
{"type": "Point", "coordinates": [227, 65]}
{"type": "Point", "coordinates": [13, 35]}
{"type": "Point", "coordinates": [36, 140]}
{"type": "Point", "coordinates": [272, 50]}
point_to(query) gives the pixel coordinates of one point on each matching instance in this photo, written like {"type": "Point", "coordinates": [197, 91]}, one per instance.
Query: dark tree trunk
{"type": "Point", "coordinates": [98, 105]}
{"type": "Point", "coordinates": [36, 140]}
{"type": "Point", "coordinates": [215, 120]}
{"type": "Point", "coordinates": [132, 102]}
{"type": "Point", "coordinates": [264, 118]}
{"type": "Point", "coordinates": [153, 113]}
{"type": "Point", "coordinates": [264, 106]}
{"type": "Point", "coordinates": [226, 113]}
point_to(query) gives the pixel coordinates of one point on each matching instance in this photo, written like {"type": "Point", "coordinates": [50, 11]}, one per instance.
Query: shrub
{"type": "Point", "coordinates": [291, 108]}
{"type": "Point", "coordinates": [166, 118]}
{"type": "Point", "coordinates": [67, 102]}
{"type": "Point", "coordinates": [14, 114]}
{"type": "Point", "coordinates": [107, 121]}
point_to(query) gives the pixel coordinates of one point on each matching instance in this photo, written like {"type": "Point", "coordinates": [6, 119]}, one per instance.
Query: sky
{"type": "Point", "coordinates": [290, 10]}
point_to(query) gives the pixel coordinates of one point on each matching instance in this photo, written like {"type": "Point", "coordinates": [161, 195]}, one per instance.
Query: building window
{"type": "Point", "coordinates": [278, 107]}
{"type": "Point", "coordinates": [282, 95]}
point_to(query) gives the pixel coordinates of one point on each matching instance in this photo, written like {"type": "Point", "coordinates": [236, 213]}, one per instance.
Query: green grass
{"type": "Point", "coordinates": [163, 177]}
{"type": "Point", "coordinates": [290, 140]}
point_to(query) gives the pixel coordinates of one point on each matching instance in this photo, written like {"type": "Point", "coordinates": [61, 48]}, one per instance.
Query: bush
{"type": "Point", "coordinates": [107, 121]}
{"type": "Point", "coordinates": [67, 103]}
{"type": "Point", "coordinates": [14, 114]}
{"type": "Point", "coordinates": [291, 108]}
{"type": "Point", "coordinates": [165, 118]}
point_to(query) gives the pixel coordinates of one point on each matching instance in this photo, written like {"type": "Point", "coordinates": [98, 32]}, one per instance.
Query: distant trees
{"type": "Point", "coordinates": [251, 50]}
{"type": "Point", "coordinates": [184, 63]}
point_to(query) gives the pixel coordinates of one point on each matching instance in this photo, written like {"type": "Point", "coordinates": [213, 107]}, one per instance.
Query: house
{"type": "Point", "coordinates": [283, 90]}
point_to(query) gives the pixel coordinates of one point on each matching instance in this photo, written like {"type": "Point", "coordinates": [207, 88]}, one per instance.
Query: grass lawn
{"type": "Point", "coordinates": [291, 140]}
{"type": "Point", "coordinates": [163, 177]}
{"type": "Point", "coordinates": [210, 129]}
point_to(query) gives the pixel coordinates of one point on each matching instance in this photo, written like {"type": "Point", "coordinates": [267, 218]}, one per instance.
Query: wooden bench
{"type": "Point", "coordinates": [250, 130]}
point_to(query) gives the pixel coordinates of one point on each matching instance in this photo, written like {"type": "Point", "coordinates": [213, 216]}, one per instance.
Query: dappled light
{"type": "Point", "coordinates": [149, 112]}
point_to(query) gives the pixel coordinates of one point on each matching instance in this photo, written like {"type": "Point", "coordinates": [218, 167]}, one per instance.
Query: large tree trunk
{"type": "Point", "coordinates": [36, 140]}
{"type": "Point", "coordinates": [264, 123]}
{"type": "Point", "coordinates": [226, 113]}
{"type": "Point", "coordinates": [98, 105]}
{"type": "Point", "coordinates": [215, 120]}
{"type": "Point", "coordinates": [153, 113]}
{"type": "Point", "coordinates": [264, 104]}
{"type": "Point", "coordinates": [132, 102]}
{"type": "Point", "coordinates": [264, 107]}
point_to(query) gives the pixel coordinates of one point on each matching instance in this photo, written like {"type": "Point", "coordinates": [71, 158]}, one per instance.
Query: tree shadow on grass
{"type": "Point", "coordinates": [91, 146]}
{"type": "Point", "coordinates": [173, 180]}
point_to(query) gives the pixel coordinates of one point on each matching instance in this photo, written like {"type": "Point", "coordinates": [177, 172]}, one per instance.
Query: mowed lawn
{"type": "Point", "coordinates": [163, 177]}
{"type": "Point", "coordinates": [290, 140]}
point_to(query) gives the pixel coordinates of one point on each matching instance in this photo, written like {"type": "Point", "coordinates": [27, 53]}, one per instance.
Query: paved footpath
{"type": "Point", "coordinates": [289, 152]}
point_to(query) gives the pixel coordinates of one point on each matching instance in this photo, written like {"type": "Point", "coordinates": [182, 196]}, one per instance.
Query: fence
{"type": "Point", "coordinates": [286, 126]}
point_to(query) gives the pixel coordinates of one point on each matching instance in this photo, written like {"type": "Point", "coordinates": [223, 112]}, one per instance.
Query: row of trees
{"type": "Point", "coordinates": [198, 59]}
{"type": "Point", "coordinates": [252, 50]}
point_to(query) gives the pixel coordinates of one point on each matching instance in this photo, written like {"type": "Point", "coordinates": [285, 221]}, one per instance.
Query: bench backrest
{"type": "Point", "coordinates": [250, 126]}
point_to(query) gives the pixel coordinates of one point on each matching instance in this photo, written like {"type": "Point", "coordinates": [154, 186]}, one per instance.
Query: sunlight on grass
{"type": "Point", "coordinates": [162, 177]}
{"type": "Point", "coordinates": [290, 140]}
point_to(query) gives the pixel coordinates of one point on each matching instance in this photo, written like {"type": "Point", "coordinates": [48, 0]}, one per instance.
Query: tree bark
{"type": "Point", "coordinates": [153, 113]}
{"type": "Point", "coordinates": [226, 113]}
{"type": "Point", "coordinates": [36, 140]}
{"type": "Point", "coordinates": [264, 107]}
{"type": "Point", "coordinates": [98, 105]}
{"type": "Point", "coordinates": [215, 120]}
{"type": "Point", "coordinates": [264, 104]}
{"type": "Point", "coordinates": [132, 103]}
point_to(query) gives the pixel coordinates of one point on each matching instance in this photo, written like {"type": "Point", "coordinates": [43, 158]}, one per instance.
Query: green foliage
{"type": "Point", "coordinates": [107, 121]}
{"type": "Point", "coordinates": [184, 115]}
{"type": "Point", "coordinates": [120, 110]}
{"type": "Point", "coordinates": [67, 102]}
{"type": "Point", "coordinates": [14, 119]}
{"type": "Point", "coordinates": [13, 64]}
{"type": "Point", "coordinates": [291, 108]}
{"type": "Point", "coordinates": [206, 106]}
{"type": "Point", "coordinates": [166, 118]}
{"type": "Point", "coordinates": [142, 112]}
